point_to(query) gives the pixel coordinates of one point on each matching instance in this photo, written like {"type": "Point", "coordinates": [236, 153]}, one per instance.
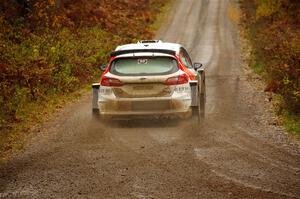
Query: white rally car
{"type": "Point", "coordinates": [150, 78]}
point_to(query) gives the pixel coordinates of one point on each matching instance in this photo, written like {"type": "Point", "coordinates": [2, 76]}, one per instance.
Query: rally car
{"type": "Point", "coordinates": [150, 78]}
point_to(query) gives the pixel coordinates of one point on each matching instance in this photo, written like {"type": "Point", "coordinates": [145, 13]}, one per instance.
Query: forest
{"type": "Point", "coordinates": [273, 27]}
{"type": "Point", "coordinates": [49, 48]}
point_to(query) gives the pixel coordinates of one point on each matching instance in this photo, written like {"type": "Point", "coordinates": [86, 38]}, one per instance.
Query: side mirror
{"type": "Point", "coordinates": [197, 66]}
{"type": "Point", "coordinates": [102, 67]}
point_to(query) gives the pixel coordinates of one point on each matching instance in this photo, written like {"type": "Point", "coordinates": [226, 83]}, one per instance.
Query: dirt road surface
{"type": "Point", "coordinates": [238, 153]}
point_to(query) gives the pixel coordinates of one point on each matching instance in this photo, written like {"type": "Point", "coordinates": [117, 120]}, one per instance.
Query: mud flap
{"type": "Point", "coordinates": [194, 93]}
{"type": "Point", "coordinates": [95, 107]}
{"type": "Point", "coordinates": [198, 99]}
{"type": "Point", "coordinates": [201, 79]}
{"type": "Point", "coordinates": [202, 92]}
{"type": "Point", "coordinates": [195, 105]}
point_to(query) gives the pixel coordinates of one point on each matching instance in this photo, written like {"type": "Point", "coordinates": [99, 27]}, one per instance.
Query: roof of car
{"type": "Point", "coordinates": [148, 45]}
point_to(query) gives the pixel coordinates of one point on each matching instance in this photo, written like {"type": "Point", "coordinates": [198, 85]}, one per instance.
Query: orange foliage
{"type": "Point", "coordinates": [275, 34]}
{"type": "Point", "coordinates": [47, 48]}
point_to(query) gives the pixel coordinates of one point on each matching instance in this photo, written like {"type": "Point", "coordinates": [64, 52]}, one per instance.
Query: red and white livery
{"type": "Point", "coordinates": [150, 78]}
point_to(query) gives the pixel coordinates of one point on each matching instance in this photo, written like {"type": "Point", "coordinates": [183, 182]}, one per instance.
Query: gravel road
{"type": "Point", "coordinates": [239, 152]}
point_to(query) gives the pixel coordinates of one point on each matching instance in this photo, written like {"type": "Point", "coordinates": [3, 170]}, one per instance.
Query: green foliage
{"type": "Point", "coordinates": [291, 123]}
{"type": "Point", "coordinates": [257, 67]}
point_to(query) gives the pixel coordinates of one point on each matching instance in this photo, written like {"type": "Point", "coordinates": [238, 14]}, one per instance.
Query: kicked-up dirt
{"type": "Point", "coordinates": [239, 152]}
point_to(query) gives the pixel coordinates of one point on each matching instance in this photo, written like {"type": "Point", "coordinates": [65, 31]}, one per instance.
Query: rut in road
{"type": "Point", "coordinates": [236, 154]}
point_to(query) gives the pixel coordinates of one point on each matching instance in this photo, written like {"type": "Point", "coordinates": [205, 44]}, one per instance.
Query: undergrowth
{"type": "Point", "coordinates": [274, 31]}
{"type": "Point", "coordinates": [50, 49]}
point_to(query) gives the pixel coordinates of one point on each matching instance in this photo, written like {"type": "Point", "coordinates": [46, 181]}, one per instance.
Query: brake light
{"type": "Point", "coordinates": [181, 79]}
{"type": "Point", "coordinates": [107, 81]}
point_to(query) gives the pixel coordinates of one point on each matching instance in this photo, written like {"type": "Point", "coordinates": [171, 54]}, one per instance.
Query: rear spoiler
{"type": "Point", "coordinates": [122, 52]}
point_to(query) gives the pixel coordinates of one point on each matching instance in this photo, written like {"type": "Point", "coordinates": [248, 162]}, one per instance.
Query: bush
{"type": "Point", "coordinates": [275, 34]}
{"type": "Point", "coordinates": [50, 49]}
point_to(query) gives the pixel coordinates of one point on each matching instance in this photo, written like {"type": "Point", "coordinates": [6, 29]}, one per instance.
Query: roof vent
{"type": "Point", "coordinates": [149, 41]}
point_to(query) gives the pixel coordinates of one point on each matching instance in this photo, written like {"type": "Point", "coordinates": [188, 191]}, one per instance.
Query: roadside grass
{"type": "Point", "coordinates": [32, 116]}
{"type": "Point", "coordinates": [257, 68]}
{"type": "Point", "coordinates": [289, 120]}
{"type": "Point", "coordinates": [292, 123]}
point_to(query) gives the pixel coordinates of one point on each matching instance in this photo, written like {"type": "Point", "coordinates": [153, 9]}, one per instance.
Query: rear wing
{"type": "Point", "coordinates": [122, 52]}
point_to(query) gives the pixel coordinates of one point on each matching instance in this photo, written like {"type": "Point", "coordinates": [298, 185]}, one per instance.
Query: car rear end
{"type": "Point", "coordinates": [144, 84]}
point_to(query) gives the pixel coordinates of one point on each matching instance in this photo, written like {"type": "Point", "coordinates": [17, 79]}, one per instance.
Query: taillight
{"type": "Point", "coordinates": [181, 79]}
{"type": "Point", "coordinates": [108, 81]}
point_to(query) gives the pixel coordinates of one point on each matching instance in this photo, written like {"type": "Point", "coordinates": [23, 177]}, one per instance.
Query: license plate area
{"type": "Point", "coordinates": [142, 90]}
{"type": "Point", "coordinates": [142, 87]}
{"type": "Point", "coordinates": [150, 106]}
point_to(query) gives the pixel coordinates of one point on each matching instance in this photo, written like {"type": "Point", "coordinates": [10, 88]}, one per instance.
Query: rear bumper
{"type": "Point", "coordinates": [144, 106]}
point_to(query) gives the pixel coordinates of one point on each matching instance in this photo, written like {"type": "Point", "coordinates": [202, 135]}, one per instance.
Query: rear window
{"type": "Point", "coordinates": [135, 66]}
